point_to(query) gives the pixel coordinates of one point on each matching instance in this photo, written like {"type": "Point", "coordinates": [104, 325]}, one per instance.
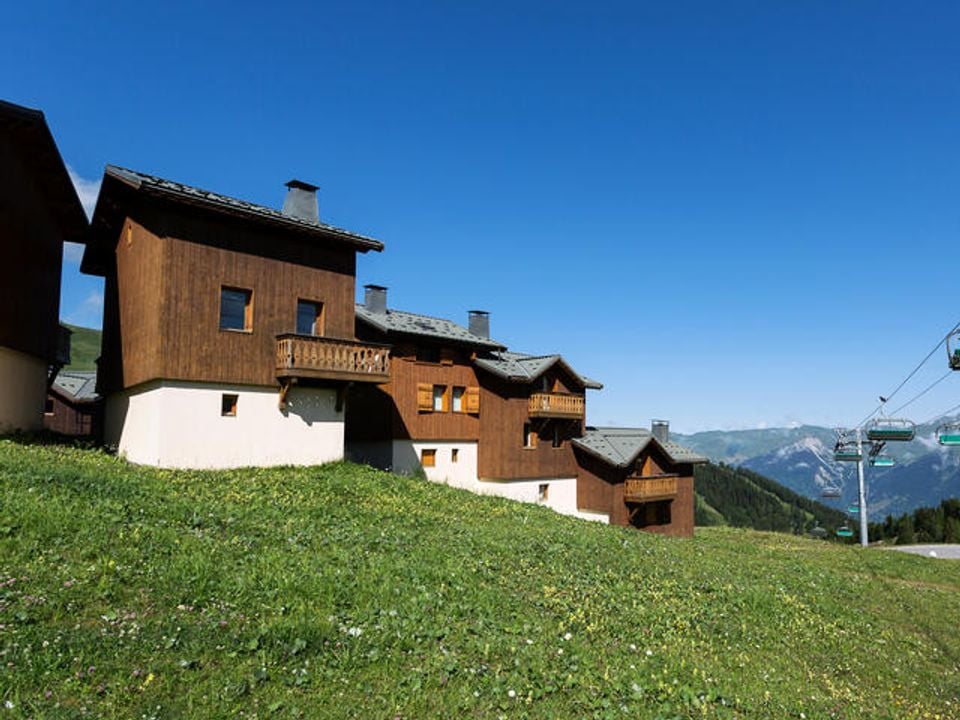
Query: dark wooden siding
{"type": "Point", "coordinates": [390, 410]}
{"type": "Point", "coordinates": [163, 305]}
{"type": "Point", "coordinates": [30, 256]}
{"type": "Point", "coordinates": [504, 408]}
{"type": "Point", "coordinates": [67, 418]}
{"type": "Point", "coordinates": [600, 489]}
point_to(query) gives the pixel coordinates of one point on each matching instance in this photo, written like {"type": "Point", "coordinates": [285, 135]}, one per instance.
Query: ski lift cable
{"type": "Point", "coordinates": [913, 372]}
{"type": "Point", "coordinates": [941, 414]}
{"type": "Point", "coordinates": [923, 392]}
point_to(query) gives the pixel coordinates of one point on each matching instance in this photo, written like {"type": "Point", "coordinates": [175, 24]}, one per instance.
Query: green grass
{"type": "Point", "coordinates": [341, 591]}
{"type": "Point", "coordinates": [84, 348]}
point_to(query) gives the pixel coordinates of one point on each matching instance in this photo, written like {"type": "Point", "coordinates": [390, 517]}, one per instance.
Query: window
{"type": "Point", "coordinates": [543, 491]}
{"type": "Point", "coordinates": [458, 405]}
{"type": "Point", "coordinates": [428, 458]}
{"type": "Point", "coordinates": [236, 309]}
{"type": "Point", "coordinates": [439, 398]}
{"type": "Point", "coordinates": [309, 318]}
{"type": "Point", "coordinates": [48, 406]}
{"type": "Point", "coordinates": [557, 436]}
{"type": "Point", "coordinates": [228, 405]}
{"type": "Point", "coordinates": [454, 455]}
{"type": "Point", "coordinates": [529, 436]}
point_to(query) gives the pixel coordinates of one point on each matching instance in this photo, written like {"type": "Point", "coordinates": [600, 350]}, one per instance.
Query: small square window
{"type": "Point", "coordinates": [309, 318]}
{"type": "Point", "coordinates": [228, 405]}
{"type": "Point", "coordinates": [440, 398]}
{"type": "Point", "coordinates": [543, 491]}
{"type": "Point", "coordinates": [529, 436]}
{"type": "Point", "coordinates": [458, 399]}
{"type": "Point", "coordinates": [454, 455]}
{"type": "Point", "coordinates": [236, 309]}
{"type": "Point", "coordinates": [428, 458]}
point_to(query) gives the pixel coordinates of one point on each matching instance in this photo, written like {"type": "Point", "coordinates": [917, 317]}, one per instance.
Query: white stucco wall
{"type": "Point", "coordinates": [179, 424]}
{"type": "Point", "coordinates": [23, 390]}
{"type": "Point", "coordinates": [561, 492]}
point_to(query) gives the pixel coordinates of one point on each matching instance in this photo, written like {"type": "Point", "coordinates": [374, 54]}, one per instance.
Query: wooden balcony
{"type": "Point", "coordinates": [648, 489]}
{"type": "Point", "coordinates": [556, 405]}
{"type": "Point", "coordinates": [322, 358]}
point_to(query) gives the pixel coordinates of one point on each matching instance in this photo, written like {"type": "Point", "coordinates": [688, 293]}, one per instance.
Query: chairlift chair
{"type": "Point", "coordinates": [887, 429]}
{"type": "Point", "coordinates": [882, 461]}
{"type": "Point", "coordinates": [831, 492]}
{"type": "Point", "coordinates": [853, 509]}
{"type": "Point", "coordinates": [847, 452]}
{"type": "Point", "coordinates": [845, 531]}
{"type": "Point", "coordinates": [953, 351]}
{"type": "Point", "coordinates": [949, 434]}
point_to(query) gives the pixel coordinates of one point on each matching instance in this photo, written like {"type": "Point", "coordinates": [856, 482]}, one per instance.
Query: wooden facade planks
{"type": "Point", "coordinates": [505, 409]}
{"type": "Point", "coordinates": [604, 488]}
{"type": "Point", "coordinates": [162, 304]}
{"type": "Point", "coordinates": [30, 257]}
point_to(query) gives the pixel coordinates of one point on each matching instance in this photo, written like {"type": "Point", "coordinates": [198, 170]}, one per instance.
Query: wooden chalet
{"type": "Point", "coordinates": [228, 332]}
{"type": "Point", "coordinates": [637, 477]}
{"type": "Point", "coordinates": [467, 411]}
{"type": "Point", "coordinates": [40, 210]}
{"type": "Point", "coordinates": [73, 405]}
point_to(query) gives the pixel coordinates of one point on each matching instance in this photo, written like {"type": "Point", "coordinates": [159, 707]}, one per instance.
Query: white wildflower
{"type": "Point", "coordinates": [511, 693]}
{"type": "Point", "coordinates": [567, 636]}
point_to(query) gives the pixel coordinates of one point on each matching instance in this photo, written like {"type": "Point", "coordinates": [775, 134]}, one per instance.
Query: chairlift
{"type": "Point", "coordinates": [831, 491]}
{"type": "Point", "coordinates": [845, 531]}
{"type": "Point", "coordinates": [818, 532]}
{"type": "Point", "coordinates": [882, 461]}
{"type": "Point", "coordinates": [847, 452]}
{"type": "Point", "coordinates": [887, 429]}
{"type": "Point", "coordinates": [949, 434]}
{"type": "Point", "coordinates": [853, 509]}
{"type": "Point", "coordinates": [953, 351]}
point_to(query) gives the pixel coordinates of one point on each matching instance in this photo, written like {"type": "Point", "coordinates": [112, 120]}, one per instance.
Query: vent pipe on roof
{"type": "Point", "coordinates": [301, 201]}
{"type": "Point", "coordinates": [375, 298]}
{"type": "Point", "coordinates": [660, 429]}
{"type": "Point", "coordinates": [478, 322]}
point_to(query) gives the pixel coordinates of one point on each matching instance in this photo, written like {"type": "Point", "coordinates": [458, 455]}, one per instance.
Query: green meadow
{"type": "Point", "coordinates": [341, 591]}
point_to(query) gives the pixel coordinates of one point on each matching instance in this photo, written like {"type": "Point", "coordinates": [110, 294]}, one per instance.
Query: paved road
{"type": "Point", "coordinates": [944, 552]}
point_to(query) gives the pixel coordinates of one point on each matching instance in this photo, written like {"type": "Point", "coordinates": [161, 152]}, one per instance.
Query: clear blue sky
{"type": "Point", "coordinates": [733, 214]}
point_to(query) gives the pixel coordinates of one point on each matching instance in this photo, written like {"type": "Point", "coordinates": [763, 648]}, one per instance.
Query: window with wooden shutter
{"type": "Point", "coordinates": [424, 397]}
{"type": "Point", "coordinates": [471, 400]}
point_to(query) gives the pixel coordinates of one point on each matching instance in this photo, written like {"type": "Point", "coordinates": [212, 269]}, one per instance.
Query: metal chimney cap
{"type": "Point", "coordinates": [301, 185]}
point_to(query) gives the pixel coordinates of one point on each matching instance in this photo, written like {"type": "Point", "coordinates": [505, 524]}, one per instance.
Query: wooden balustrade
{"type": "Point", "coordinates": [307, 356]}
{"type": "Point", "coordinates": [557, 405]}
{"type": "Point", "coordinates": [645, 489]}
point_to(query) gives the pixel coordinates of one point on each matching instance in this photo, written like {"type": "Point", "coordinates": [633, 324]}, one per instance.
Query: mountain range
{"type": "Point", "coordinates": [801, 458]}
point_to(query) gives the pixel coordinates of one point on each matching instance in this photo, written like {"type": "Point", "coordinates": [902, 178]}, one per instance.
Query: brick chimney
{"type": "Point", "coordinates": [375, 298]}
{"type": "Point", "coordinates": [301, 201]}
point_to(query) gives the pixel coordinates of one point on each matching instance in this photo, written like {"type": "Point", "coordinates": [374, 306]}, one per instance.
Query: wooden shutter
{"type": "Point", "coordinates": [424, 397]}
{"type": "Point", "coordinates": [471, 400]}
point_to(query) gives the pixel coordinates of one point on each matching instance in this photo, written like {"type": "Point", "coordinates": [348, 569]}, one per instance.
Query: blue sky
{"type": "Point", "coordinates": [733, 214]}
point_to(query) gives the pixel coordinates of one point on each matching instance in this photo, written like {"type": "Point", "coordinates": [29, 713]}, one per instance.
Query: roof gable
{"type": "Point", "coordinates": [621, 447]}
{"type": "Point", "coordinates": [523, 368]}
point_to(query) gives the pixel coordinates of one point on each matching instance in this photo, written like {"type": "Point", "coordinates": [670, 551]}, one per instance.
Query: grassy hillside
{"type": "Point", "coordinates": [742, 498]}
{"type": "Point", "coordinates": [84, 348]}
{"type": "Point", "coordinates": [341, 591]}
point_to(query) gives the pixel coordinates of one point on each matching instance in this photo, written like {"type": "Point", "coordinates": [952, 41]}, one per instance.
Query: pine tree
{"type": "Point", "coordinates": [906, 535]}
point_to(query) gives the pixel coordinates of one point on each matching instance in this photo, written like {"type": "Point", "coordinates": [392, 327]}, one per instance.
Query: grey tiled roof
{"type": "Point", "coordinates": [621, 446]}
{"type": "Point", "coordinates": [205, 198]}
{"type": "Point", "coordinates": [397, 321]}
{"type": "Point", "coordinates": [77, 384]}
{"type": "Point", "coordinates": [520, 367]}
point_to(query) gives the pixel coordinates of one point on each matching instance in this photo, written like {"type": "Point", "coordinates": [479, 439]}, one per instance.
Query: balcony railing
{"type": "Point", "coordinates": [307, 356]}
{"type": "Point", "coordinates": [646, 489]}
{"type": "Point", "coordinates": [556, 405]}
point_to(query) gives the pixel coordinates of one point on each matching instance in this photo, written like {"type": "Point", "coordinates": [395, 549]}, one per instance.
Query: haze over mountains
{"type": "Point", "coordinates": [801, 458]}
